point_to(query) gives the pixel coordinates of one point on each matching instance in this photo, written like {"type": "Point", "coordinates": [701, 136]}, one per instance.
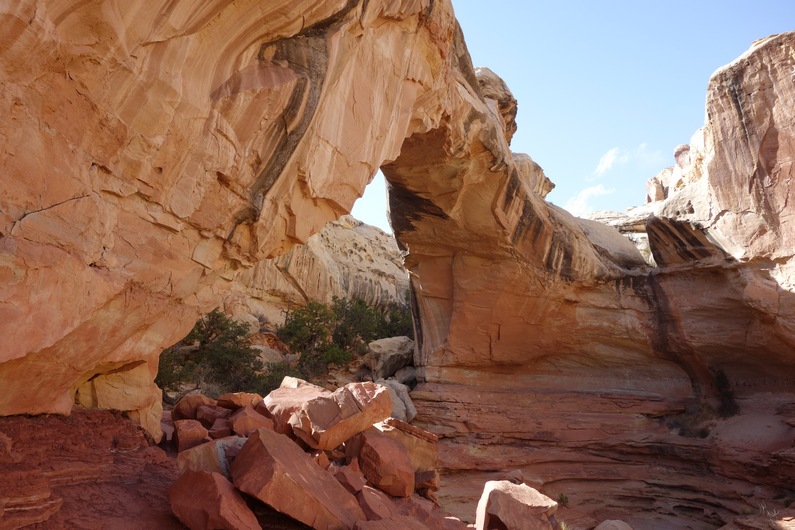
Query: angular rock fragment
{"type": "Point", "coordinates": [246, 420]}
{"type": "Point", "coordinates": [220, 429]}
{"type": "Point", "coordinates": [375, 504]}
{"type": "Point", "coordinates": [386, 464]}
{"type": "Point", "coordinates": [236, 400]}
{"type": "Point", "coordinates": [272, 468]}
{"type": "Point", "coordinates": [402, 406]}
{"type": "Point", "coordinates": [214, 456]}
{"type": "Point", "coordinates": [387, 356]}
{"type": "Point", "coordinates": [327, 421]}
{"type": "Point", "coordinates": [186, 408]}
{"type": "Point", "coordinates": [189, 433]}
{"type": "Point", "coordinates": [207, 501]}
{"type": "Point", "coordinates": [288, 398]}
{"type": "Point", "coordinates": [350, 477]}
{"type": "Point", "coordinates": [422, 449]}
{"type": "Point", "coordinates": [507, 505]}
{"type": "Point", "coordinates": [207, 414]}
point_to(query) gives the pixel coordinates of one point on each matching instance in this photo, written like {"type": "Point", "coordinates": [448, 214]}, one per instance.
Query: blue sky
{"type": "Point", "coordinates": [606, 90]}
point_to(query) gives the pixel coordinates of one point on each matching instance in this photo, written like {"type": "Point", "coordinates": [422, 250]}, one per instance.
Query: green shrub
{"type": "Point", "coordinates": [563, 500]}
{"type": "Point", "coordinates": [333, 335]}
{"type": "Point", "coordinates": [273, 375]}
{"type": "Point", "coordinates": [215, 353]}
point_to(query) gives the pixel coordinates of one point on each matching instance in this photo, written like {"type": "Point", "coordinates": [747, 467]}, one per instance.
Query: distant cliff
{"type": "Point", "coordinates": [347, 259]}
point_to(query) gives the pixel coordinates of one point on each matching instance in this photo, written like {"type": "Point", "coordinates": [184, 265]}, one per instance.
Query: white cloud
{"type": "Point", "coordinates": [579, 204]}
{"type": "Point", "coordinates": [641, 156]}
{"type": "Point", "coordinates": [607, 161]}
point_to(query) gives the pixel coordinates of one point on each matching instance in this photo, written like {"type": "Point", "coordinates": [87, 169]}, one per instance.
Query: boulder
{"type": "Point", "coordinates": [214, 456]}
{"type": "Point", "coordinates": [236, 400]}
{"type": "Point", "coordinates": [186, 408]}
{"type": "Point", "coordinates": [189, 433]}
{"type": "Point", "coordinates": [208, 414]}
{"type": "Point", "coordinates": [221, 428]}
{"type": "Point", "coordinates": [386, 356]}
{"type": "Point", "coordinates": [421, 445]}
{"type": "Point", "coordinates": [402, 406]}
{"type": "Point", "coordinates": [268, 355]}
{"type": "Point", "coordinates": [207, 501]}
{"type": "Point", "coordinates": [375, 504]}
{"type": "Point", "coordinates": [516, 506]}
{"type": "Point", "coordinates": [273, 469]}
{"type": "Point", "coordinates": [407, 375]}
{"type": "Point", "coordinates": [350, 476]}
{"type": "Point", "coordinates": [613, 524]}
{"type": "Point", "coordinates": [246, 420]}
{"type": "Point", "coordinates": [386, 464]}
{"type": "Point", "coordinates": [288, 398]}
{"type": "Point", "coordinates": [327, 421]}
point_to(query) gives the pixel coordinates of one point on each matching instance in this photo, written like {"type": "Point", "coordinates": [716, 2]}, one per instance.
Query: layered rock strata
{"type": "Point", "coordinates": [347, 259]}
{"type": "Point", "coordinates": [153, 152]}
{"type": "Point", "coordinates": [610, 387]}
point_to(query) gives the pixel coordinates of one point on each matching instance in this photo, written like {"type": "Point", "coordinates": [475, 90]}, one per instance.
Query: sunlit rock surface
{"type": "Point", "coordinates": [154, 152]}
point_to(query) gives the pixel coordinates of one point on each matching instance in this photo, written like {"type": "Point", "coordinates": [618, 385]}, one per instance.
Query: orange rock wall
{"type": "Point", "coordinates": [153, 152]}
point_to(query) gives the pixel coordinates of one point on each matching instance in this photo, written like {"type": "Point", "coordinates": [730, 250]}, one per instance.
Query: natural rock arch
{"type": "Point", "coordinates": [151, 152]}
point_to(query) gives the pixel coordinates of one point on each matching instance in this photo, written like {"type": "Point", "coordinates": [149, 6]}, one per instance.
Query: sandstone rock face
{"type": "Point", "coordinates": [187, 144]}
{"type": "Point", "coordinates": [92, 469]}
{"type": "Point", "coordinates": [152, 154]}
{"type": "Point", "coordinates": [624, 364]}
{"type": "Point", "coordinates": [347, 259]}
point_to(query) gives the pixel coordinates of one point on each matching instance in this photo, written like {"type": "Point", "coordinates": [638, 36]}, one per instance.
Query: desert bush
{"type": "Point", "coordinates": [332, 335]}
{"type": "Point", "coordinates": [215, 354]}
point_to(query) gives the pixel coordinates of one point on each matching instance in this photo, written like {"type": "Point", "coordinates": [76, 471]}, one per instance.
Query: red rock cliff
{"type": "Point", "coordinates": [153, 152]}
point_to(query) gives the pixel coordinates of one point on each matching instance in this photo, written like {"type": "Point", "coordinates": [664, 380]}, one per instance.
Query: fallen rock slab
{"type": "Point", "coordinates": [214, 456]}
{"type": "Point", "coordinates": [186, 408]}
{"type": "Point", "coordinates": [208, 414]}
{"type": "Point", "coordinates": [280, 404]}
{"type": "Point", "coordinates": [246, 420]}
{"type": "Point", "coordinates": [375, 504]}
{"type": "Point", "coordinates": [208, 501]}
{"type": "Point", "coordinates": [273, 469]}
{"type": "Point", "coordinates": [237, 400]}
{"type": "Point", "coordinates": [327, 421]}
{"type": "Point", "coordinates": [515, 506]}
{"type": "Point", "coordinates": [387, 356]}
{"type": "Point", "coordinates": [386, 464]}
{"type": "Point", "coordinates": [189, 433]}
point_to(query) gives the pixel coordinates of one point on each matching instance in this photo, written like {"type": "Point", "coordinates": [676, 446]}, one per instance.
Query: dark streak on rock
{"type": "Point", "coordinates": [688, 241]}
{"type": "Point", "coordinates": [307, 55]}
{"type": "Point", "coordinates": [406, 207]}
{"type": "Point", "coordinates": [666, 338]}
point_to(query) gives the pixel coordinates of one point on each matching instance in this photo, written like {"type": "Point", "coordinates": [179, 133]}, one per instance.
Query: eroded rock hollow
{"type": "Point", "coordinates": [153, 152]}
